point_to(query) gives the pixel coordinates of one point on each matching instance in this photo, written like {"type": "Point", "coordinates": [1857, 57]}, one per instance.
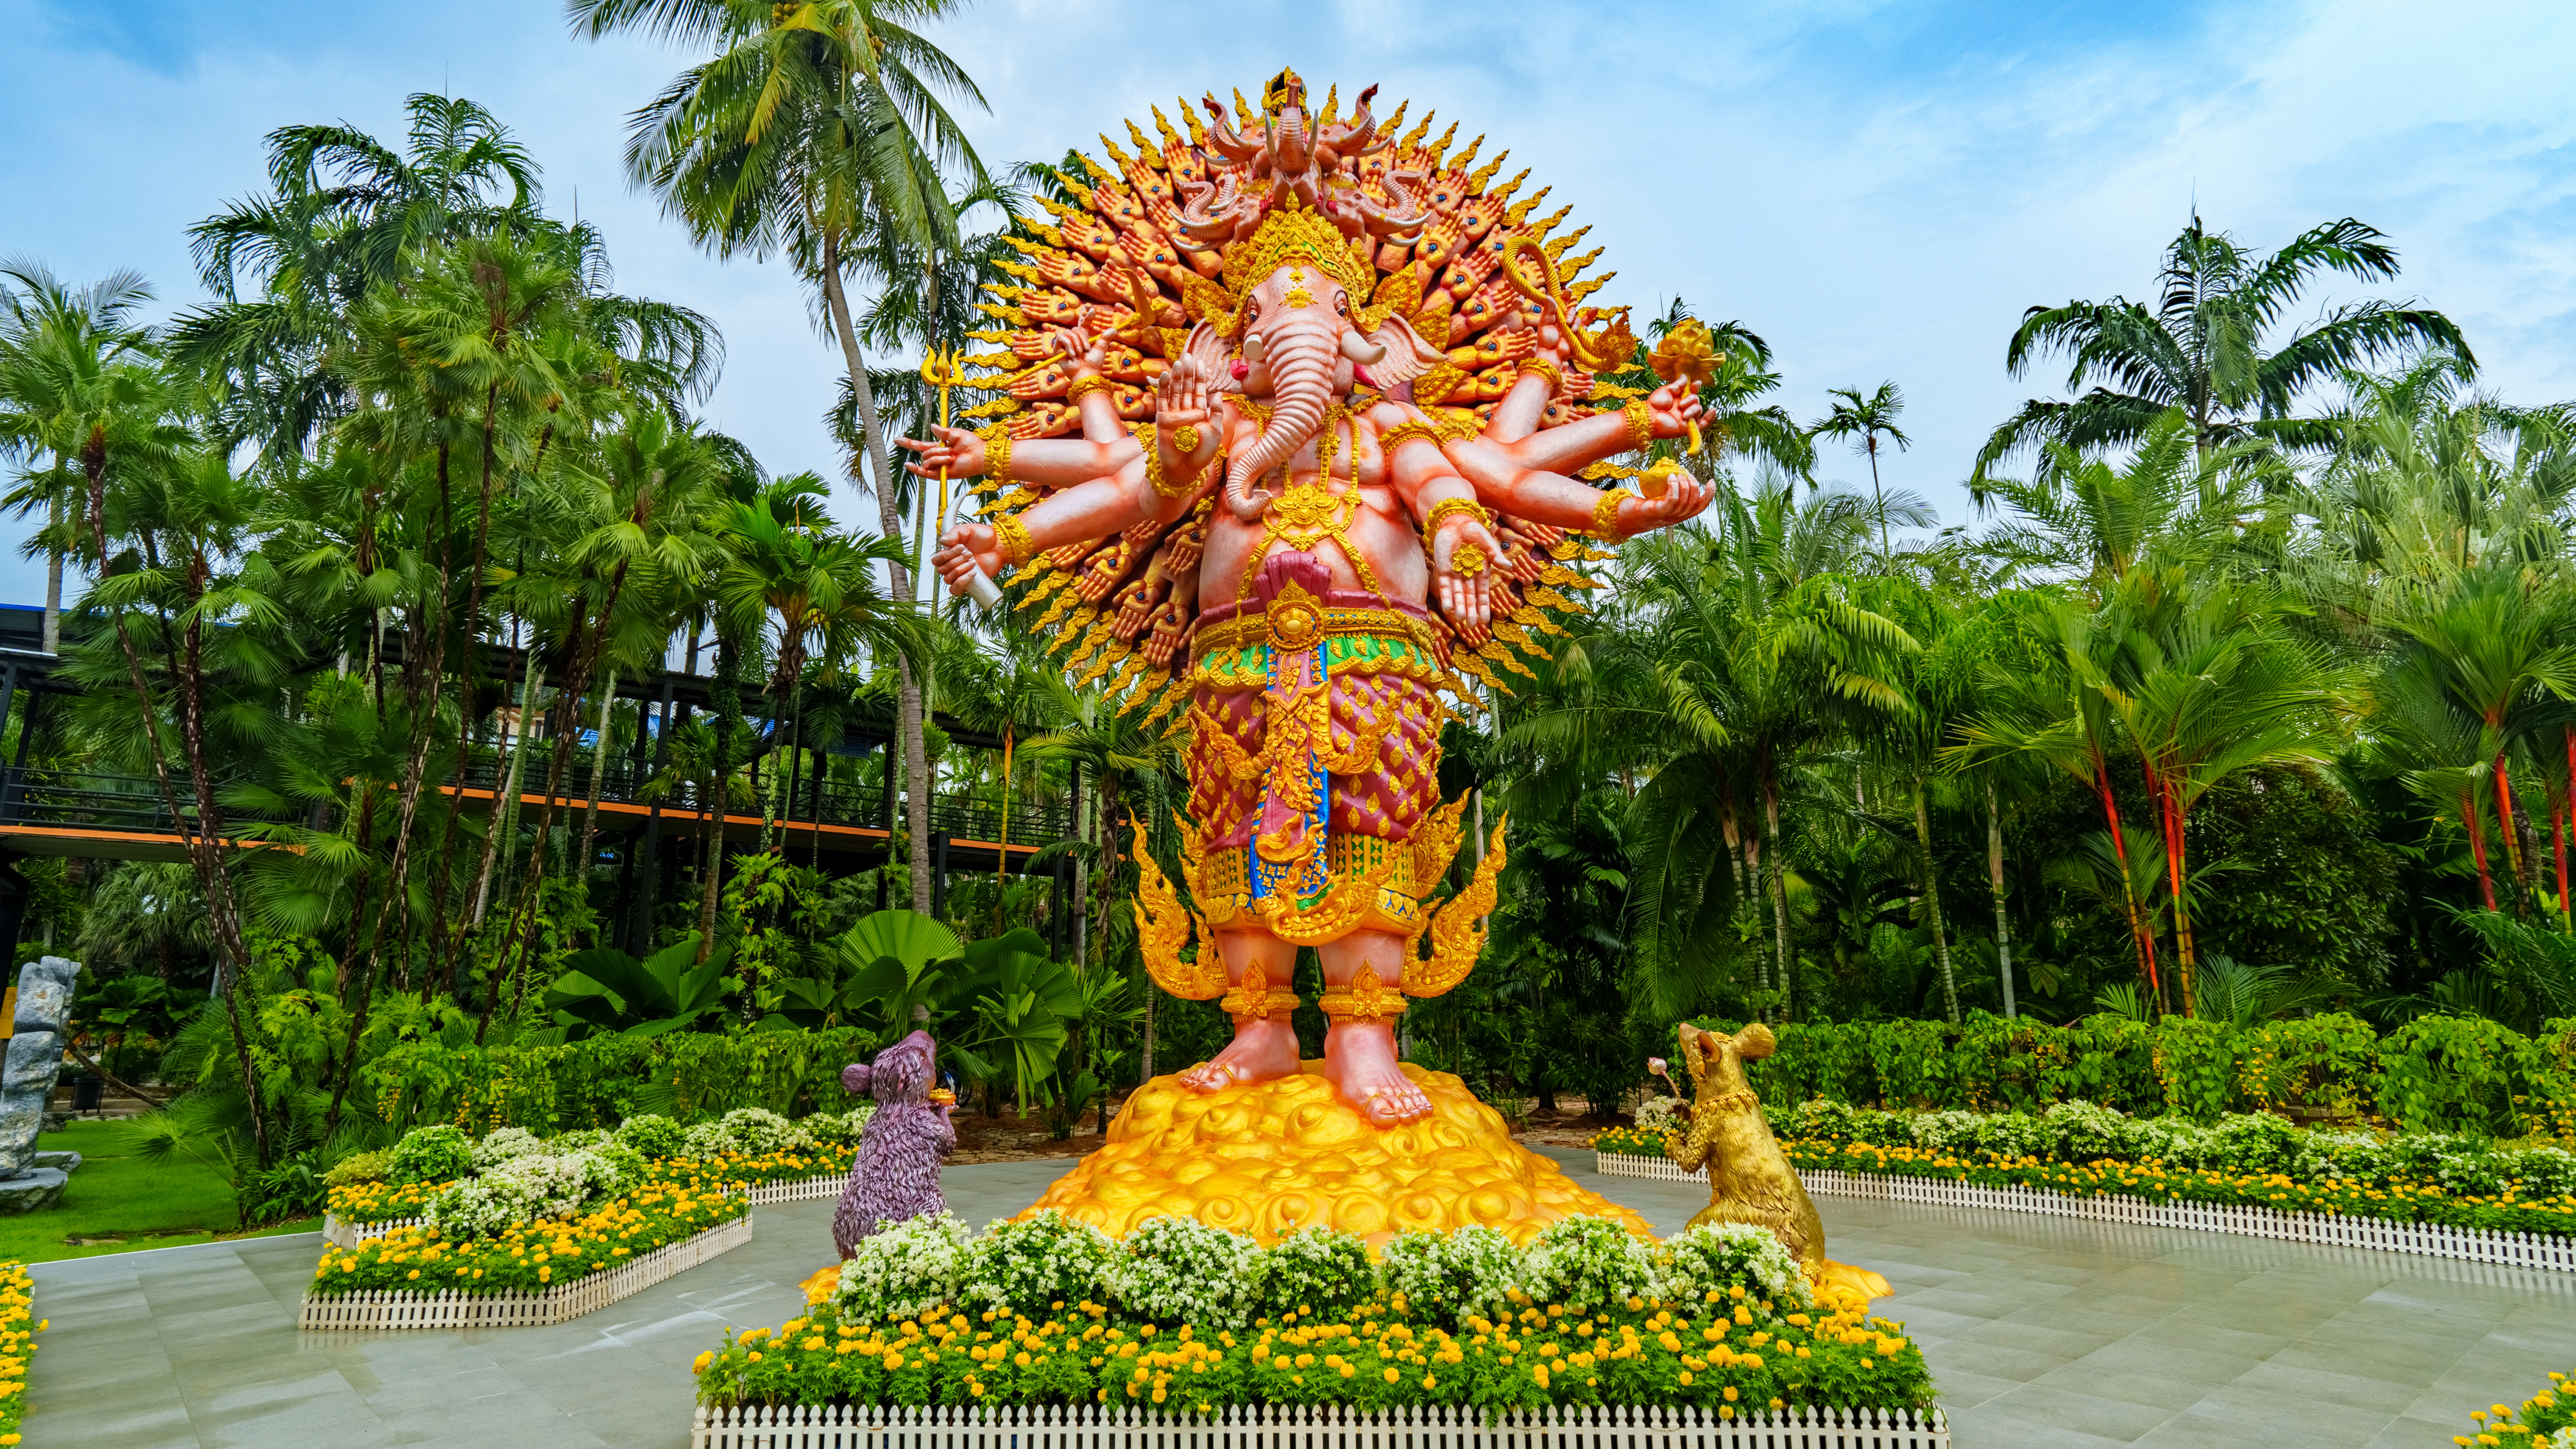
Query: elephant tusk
{"type": "Point", "coordinates": [1360, 350]}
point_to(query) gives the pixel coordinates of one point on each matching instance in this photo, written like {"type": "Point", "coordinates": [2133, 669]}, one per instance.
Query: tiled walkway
{"type": "Point", "coordinates": [2041, 1332]}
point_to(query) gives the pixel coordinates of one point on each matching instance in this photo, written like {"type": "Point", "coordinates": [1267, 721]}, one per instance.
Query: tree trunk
{"type": "Point", "coordinates": [908, 716]}
{"type": "Point", "coordinates": [598, 774]}
{"type": "Point", "coordinates": [1932, 895]}
{"type": "Point", "coordinates": [1779, 903]}
{"type": "Point", "coordinates": [2516, 861]}
{"type": "Point", "coordinates": [2138, 932]}
{"type": "Point", "coordinates": [2478, 847]}
{"type": "Point", "coordinates": [1995, 872]}
{"type": "Point", "coordinates": [504, 820]}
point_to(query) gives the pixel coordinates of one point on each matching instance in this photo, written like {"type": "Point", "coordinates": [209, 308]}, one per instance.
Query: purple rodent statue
{"type": "Point", "coordinates": [896, 1175]}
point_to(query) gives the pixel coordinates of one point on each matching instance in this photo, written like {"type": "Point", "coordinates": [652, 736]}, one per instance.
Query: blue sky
{"type": "Point", "coordinates": [1877, 189]}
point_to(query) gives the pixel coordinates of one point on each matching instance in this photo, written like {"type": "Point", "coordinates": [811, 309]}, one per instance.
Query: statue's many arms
{"type": "Point", "coordinates": [1284, 446]}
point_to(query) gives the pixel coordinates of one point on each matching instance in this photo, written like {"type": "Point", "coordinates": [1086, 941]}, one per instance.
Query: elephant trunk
{"type": "Point", "coordinates": [1301, 364]}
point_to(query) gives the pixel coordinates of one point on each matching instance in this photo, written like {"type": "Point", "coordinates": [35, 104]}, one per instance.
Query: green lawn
{"type": "Point", "coordinates": [118, 1202]}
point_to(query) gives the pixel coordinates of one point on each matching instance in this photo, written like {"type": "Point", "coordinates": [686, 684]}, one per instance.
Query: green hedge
{"type": "Point", "coordinates": [2436, 1073]}
{"type": "Point", "coordinates": [602, 1081]}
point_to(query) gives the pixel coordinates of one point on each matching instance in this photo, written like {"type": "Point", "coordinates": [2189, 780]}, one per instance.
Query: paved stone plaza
{"type": "Point", "coordinates": [2042, 1332]}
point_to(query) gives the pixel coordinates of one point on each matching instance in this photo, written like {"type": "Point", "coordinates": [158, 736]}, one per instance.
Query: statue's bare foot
{"type": "Point", "coordinates": [1359, 1060]}
{"type": "Point", "coordinates": [1262, 1051]}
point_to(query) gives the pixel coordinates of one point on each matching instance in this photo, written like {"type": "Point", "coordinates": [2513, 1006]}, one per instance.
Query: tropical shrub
{"type": "Point", "coordinates": [2436, 1073]}
{"type": "Point", "coordinates": [1312, 1271]}
{"type": "Point", "coordinates": [1584, 1263]}
{"type": "Point", "coordinates": [1453, 1276]}
{"type": "Point", "coordinates": [904, 1269]}
{"type": "Point", "coordinates": [1177, 1270]}
{"type": "Point", "coordinates": [653, 1135]}
{"type": "Point", "coordinates": [1725, 1261]}
{"type": "Point", "coordinates": [1038, 1265]}
{"type": "Point", "coordinates": [431, 1154]}
{"type": "Point", "coordinates": [602, 1081]}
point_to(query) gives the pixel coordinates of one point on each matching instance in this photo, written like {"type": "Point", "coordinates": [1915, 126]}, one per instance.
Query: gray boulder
{"type": "Point", "coordinates": [35, 1059]}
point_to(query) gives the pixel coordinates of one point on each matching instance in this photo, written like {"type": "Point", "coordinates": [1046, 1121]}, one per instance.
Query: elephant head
{"type": "Point", "coordinates": [1301, 350]}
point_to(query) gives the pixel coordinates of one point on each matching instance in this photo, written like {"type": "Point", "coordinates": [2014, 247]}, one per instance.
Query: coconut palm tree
{"type": "Point", "coordinates": [812, 122]}
{"type": "Point", "coordinates": [2206, 346]}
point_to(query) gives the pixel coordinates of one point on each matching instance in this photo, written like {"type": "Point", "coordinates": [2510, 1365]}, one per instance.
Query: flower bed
{"type": "Point", "coordinates": [17, 1345]}
{"type": "Point", "coordinates": [2250, 1160]}
{"type": "Point", "coordinates": [807, 1172]}
{"type": "Point", "coordinates": [530, 1257]}
{"type": "Point", "coordinates": [1187, 1319]}
{"type": "Point", "coordinates": [2547, 1421]}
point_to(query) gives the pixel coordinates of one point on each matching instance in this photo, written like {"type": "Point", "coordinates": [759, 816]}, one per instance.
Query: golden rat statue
{"type": "Point", "coordinates": [1749, 1177]}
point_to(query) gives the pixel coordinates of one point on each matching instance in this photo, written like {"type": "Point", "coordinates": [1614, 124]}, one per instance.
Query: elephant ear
{"type": "Point", "coordinates": [1407, 355]}
{"type": "Point", "coordinates": [1208, 347]}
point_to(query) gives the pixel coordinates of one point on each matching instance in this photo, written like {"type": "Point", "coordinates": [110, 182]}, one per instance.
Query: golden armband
{"type": "Point", "coordinates": [1605, 513]}
{"type": "Point", "coordinates": [1641, 423]}
{"type": "Point", "coordinates": [1013, 538]}
{"type": "Point", "coordinates": [997, 454]}
{"type": "Point", "coordinates": [1085, 386]}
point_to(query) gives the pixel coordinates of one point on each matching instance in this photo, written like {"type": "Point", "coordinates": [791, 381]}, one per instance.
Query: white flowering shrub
{"type": "Point", "coordinates": [1702, 1264]}
{"type": "Point", "coordinates": [859, 1116]}
{"type": "Point", "coordinates": [1323, 1270]}
{"type": "Point", "coordinates": [705, 1141]}
{"type": "Point", "coordinates": [1037, 1265]}
{"type": "Point", "coordinates": [624, 1167]}
{"type": "Point", "coordinates": [504, 1145]}
{"type": "Point", "coordinates": [905, 1268]}
{"type": "Point", "coordinates": [754, 1132]}
{"type": "Point", "coordinates": [1948, 1131]}
{"type": "Point", "coordinates": [1453, 1276]}
{"type": "Point", "coordinates": [831, 1129]}
{"type": "Point", "coordinates": [653, 1135]}
{"type": "Point", "coordinates": [430, 1154]}
{"type": "Point", "coordinates": [480, 1207]}
{"type": "Point", "coordinates": [2088, 1131]}
{"type": "Point", "coordinates": [1585, 1263]}
{"type": "Point", "coordinates": [1174, 1270]}
{"type": "Point", "coordinates": [580, 1139]}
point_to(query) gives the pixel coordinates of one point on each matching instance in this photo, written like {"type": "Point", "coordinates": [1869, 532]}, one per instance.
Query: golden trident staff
{"type": "Point", "coordinates": [942, 370]}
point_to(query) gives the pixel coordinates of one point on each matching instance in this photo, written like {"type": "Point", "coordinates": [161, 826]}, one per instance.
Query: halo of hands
{"type": "Point", "coordinates": [1184, 396]}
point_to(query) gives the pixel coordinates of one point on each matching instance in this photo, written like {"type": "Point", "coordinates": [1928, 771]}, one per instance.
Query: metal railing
{"type": "Point", "coordinates": [77, 799]}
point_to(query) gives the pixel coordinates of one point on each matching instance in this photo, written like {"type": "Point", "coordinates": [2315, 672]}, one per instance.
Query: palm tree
{"type": "Point", "coordinates": [1867, 422]}
{"type": "Point", "coordinates": [58, 343]}
{"type": "Point", "coordinates": [814, 121]}
{"type": "Point", "coordinates": [2203, 347]}
{"type": "Point", "coordinates": [785, 564]}
{"type": "Point", "coordinates": [345, 214]}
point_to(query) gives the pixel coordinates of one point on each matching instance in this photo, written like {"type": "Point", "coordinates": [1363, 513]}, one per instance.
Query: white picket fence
{"type": "Point", "coordinates": [386, 1309]}
{"type": "Point", "coordinates": [2430, 1240]}
{"type": "Point", "coordinates": [803, 1189]}
{"type": "Point", "coordinates": [1289, 1426]}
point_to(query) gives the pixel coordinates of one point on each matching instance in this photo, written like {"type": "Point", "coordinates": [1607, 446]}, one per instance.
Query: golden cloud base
{"type": "Point", "coordinates": [1271, 1158]}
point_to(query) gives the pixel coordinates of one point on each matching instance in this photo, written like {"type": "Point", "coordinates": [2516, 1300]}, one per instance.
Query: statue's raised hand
{"type": "Point", "coordinates": [1673, 408]}
{"type": "Point", "coordinates": [955, 449]}
{"type": "Point", "coordinates": [1082, 353]}
{"type": "Point", "coordinates": [1183, 409]}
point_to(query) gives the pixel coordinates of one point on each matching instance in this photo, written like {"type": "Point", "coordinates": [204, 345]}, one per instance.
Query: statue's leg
{"type": "Point", "coordinates": [1259, 966]}
{"type": "Point", "coordinates": [1359, 1050]}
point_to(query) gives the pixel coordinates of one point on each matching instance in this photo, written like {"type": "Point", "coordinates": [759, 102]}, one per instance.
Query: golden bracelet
{"type": "Point", "coordinates": [1154, 473]}
{"type": "Point", "coordinates": [1447, 506]}
{"type": "Point", "coordinates": [997, 454]}
{"type": "Point", "coordinates": [1554, 374]}
{"type": "Point", "coordinates": [1013, 536]}
{"type": "Point", "coordinates": [1605, 513]}
{"type": "Point", "coordinates": [1085, 386]}
{"type": "Point", "coordinates": [1641, 424]}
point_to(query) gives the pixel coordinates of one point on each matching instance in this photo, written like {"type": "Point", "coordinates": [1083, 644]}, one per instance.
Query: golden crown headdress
{"type": "Point", "coordinates": [1290, 235]}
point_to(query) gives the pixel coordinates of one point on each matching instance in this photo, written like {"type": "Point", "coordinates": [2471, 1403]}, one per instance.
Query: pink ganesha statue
{"type": "Point", "coordinates": [1290, 446]}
